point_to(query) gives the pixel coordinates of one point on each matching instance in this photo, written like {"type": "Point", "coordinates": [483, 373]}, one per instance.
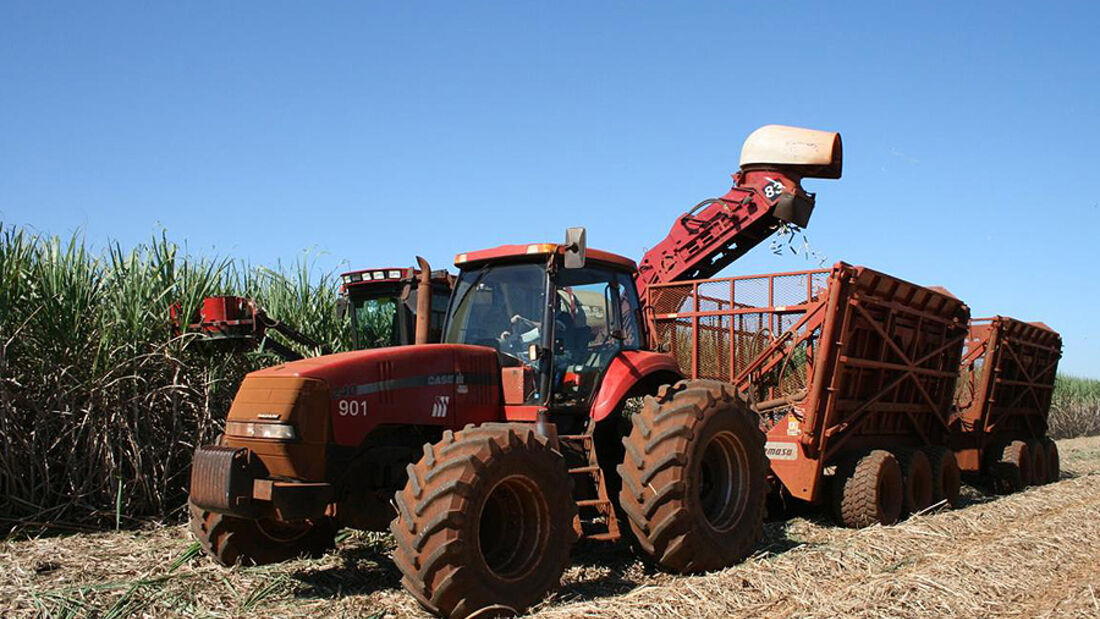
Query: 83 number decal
{"type": "Point", "coordinates": [773, 190]}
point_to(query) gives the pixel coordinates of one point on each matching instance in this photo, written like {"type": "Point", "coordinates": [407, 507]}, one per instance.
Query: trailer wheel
{"type": "Point", "coordinates": [232, 540]}
{"type": "Point", "coordinates": [1054, 468]}
{"type": "Point", "coordinates": [694, 477]}
{"type": "Point", "coordinates": [485, 522]}
{"type": "Point", "coordinates": [946, 479]}
{"type": "Point", "coordinates": [1038, 463]}
{"type": "Point", "coordinates": [869, 490]}
{"type": "Point", "coordinates": [1012, 472]}
{"type": "Point", "coordinates": [916, 475]}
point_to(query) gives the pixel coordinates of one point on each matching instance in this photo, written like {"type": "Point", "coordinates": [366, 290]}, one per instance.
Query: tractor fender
{"type": "Point", "coordinates": [625, 371]}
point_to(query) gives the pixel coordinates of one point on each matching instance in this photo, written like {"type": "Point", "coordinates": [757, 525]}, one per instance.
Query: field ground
{"type": "Point", "coordinates": [1036, 553]}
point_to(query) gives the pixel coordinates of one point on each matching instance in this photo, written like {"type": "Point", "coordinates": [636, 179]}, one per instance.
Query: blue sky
{"type": "Point", "coordinates": [371, 131]}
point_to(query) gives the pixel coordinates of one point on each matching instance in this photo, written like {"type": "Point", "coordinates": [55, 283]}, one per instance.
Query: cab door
{"type": "Point", "coordinates": [595, 321]}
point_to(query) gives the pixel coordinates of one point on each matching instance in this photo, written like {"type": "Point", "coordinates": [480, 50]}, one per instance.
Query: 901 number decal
{"type": "Point", "coordinates": [352, 408]}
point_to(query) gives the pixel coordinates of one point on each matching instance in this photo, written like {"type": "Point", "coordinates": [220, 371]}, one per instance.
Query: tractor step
{"type": "Point", "coordinates": [602, 537]}
{"type": "Point", "coordinates": [575, 438]}
{"type": "Point", "coordinates": [603, 525]}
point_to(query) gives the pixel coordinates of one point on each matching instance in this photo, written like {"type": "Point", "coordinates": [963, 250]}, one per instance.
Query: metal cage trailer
{"type": "Point", "coordinates": [1006, 380]}
{"type": "Point", "coordinates": [851, 372]}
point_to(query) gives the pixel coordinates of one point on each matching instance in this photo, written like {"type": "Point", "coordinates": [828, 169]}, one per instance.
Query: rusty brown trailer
{"type": "Point", "coordinates": [834, 361]}
{"type": "Point", "coordinates": [1005, 385]}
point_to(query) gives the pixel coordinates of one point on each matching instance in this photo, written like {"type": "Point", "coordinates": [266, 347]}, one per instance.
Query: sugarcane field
{"type": "Point", "coordinates": [487, 310]}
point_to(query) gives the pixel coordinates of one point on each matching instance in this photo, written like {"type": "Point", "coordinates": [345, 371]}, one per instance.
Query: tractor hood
{"type": "Point", "coordinates": [352, 367]}
{"type": "Point", "coordinates": [446, 385]}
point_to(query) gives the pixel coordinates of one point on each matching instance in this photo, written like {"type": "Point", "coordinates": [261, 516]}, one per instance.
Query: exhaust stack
{"type": "Point", "coordinates": [423, 301]}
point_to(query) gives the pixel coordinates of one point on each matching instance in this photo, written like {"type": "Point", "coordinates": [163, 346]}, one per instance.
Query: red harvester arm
{"type": "Point", "coordinates": [766, 191]}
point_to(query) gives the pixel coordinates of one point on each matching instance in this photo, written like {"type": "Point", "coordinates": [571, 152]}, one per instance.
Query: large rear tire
{"type": "Point", "coordinates": [232, 540]}
{"type": "Point", "coordinates": [1054, 464]}
{"type": "Point", "coordinates": [869, 490]}
{"type": "Point", "coordinates": [916, 475]}
{"type": "Point", "coordinates": [946, 478]}
{"type": "Point", "coordinates": [485, 523]}
{"type": "Point", "coordinates": [694, 477]}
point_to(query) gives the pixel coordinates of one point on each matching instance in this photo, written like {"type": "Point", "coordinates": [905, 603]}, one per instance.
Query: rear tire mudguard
{"type": "Point", "coordinates": [626, 370]}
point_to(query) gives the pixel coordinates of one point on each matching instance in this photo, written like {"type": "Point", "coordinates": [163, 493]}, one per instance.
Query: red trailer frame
{"type": "Point", "coordinates": [834, 361]}
{"type": "Point", "coordinates": [1005, 385]}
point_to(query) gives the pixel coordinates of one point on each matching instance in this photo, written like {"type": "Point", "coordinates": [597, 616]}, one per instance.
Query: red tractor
{"type": "Point", "coordinates": [396, 306]}
{"type": "Point", "coordinates": [501, 446]}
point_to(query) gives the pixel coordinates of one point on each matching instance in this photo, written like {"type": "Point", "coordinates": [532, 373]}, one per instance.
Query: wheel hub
{"type": "Point", "coordinates": [513, 528]}
{"type": "Point", "coordinates": [724, 483]}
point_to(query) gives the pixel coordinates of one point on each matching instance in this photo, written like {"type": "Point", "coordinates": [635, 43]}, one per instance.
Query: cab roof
{"type": "Point", "coordinates": [387, 275]}
{"type": "Point", "coordinates": [467, 259]}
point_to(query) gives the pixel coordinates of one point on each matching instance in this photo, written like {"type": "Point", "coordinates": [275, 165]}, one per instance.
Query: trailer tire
{"type": "Point", "coordinates": [229, 540]}
{"type": "Point", "coordinates": [946, 478]}
{"type": "Point", "coordinates": [1054, 468]}
{"type": "Point", "coordinates": [694, 477]}
{"type": "Point", "coordinates": [869, 490]}
{"type": "Point", "coordinates": [1012, 471]}
{"type": "Point", "coordinates": [1038, 463]}
{"type": "Point", "coordinates": [916, 475]}
{"type": "Point", "coordinates": [485, 522]}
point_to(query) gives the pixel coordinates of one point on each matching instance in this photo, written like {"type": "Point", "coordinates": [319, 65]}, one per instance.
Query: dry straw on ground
{"type": "Point", "coordinates": [1030, 554]}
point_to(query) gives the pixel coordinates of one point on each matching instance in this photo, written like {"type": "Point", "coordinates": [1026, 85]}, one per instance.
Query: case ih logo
{"type": "Point", "coordinates": [439, 409]}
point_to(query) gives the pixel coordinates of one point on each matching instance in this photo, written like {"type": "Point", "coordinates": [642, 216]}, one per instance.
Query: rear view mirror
{"type": "Point", "coordinates": [341, 308]}
{"type": "Point", "coordinates": [575, 248]}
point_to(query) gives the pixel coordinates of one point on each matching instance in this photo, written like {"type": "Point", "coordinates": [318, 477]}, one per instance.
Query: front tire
{"type": "Point", "coordinates": [485, 523]}
{"type": "Point", "coordinates": [230, 540]}
{"type": "Point", "coordinates": [694, 477]}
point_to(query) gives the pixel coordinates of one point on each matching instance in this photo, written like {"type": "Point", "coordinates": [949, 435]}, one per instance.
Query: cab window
{"type": "Point", "coordinates": [375, 321]}
{"type": "Point", "coordinates": [595, 319]}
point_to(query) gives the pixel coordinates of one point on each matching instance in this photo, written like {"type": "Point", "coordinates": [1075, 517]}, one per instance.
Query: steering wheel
{"type": "Point", "coordinates": [511, 340]}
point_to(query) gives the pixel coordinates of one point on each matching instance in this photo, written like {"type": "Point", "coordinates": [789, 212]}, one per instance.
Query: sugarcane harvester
{"type": "Point", "coordinates": [392, 306]}
{"type": "Point", "coordinates": [228, 323]}
{"type": "Point", "coordinates": [395, 306]}
{"type": "Point", "coordinates": [500, 446]}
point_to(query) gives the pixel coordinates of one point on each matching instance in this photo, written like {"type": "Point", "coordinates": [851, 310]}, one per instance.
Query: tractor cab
{"type": "Point", "coordinates": [556, 315]}
{"type": "Point", "coordinates": [382, 305]}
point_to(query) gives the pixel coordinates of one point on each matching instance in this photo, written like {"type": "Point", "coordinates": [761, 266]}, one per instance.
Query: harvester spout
{"type": "Point", "coordinates": [802, 153]}
{"type": "Point", "coordinates": [775, 158]}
